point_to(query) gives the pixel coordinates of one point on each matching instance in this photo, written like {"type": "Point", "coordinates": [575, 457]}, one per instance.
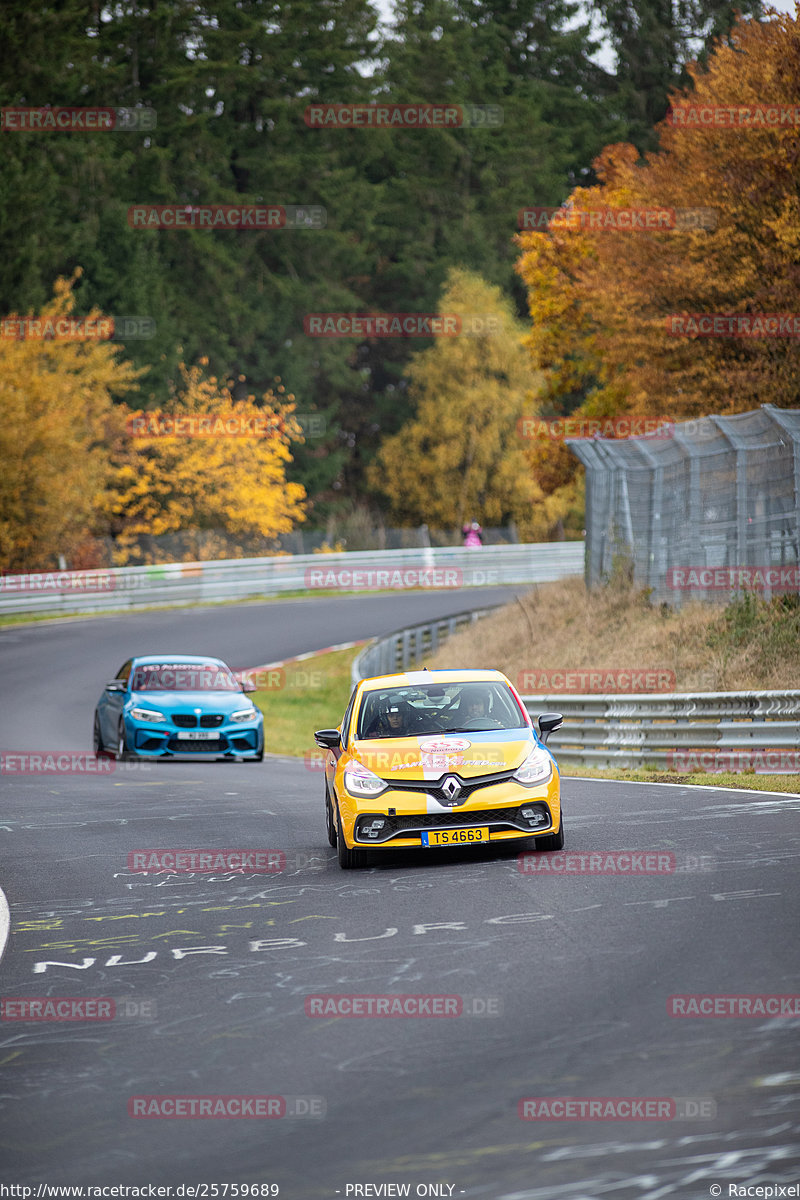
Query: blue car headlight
{"type": "Point", "coordinates": [244, 714]}
{"type": "Point", "coordinates": [147, 714]}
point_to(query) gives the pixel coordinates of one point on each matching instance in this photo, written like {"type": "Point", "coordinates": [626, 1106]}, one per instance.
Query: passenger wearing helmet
{"type": "Point", "coordinates": [391, 721]}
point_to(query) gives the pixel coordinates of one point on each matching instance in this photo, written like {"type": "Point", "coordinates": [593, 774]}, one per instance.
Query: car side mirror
{"type": "Point", "coordinates": [248, 686]}
{"type": "Point", "coordinates": [549, 723]}
{"type": "Point", "coordinates": [116, 685]}
{"type": "Point", "coordinates": [329, 739]}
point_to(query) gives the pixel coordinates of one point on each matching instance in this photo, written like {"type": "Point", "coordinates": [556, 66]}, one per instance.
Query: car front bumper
{"type": "Point", "coordinates": [495, 808]}
{"type": "Point", "coordinates": [157, 740]}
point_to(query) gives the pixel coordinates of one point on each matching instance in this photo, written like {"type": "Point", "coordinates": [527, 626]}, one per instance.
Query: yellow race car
{"type": "Point", "coordinates": [439, 758]}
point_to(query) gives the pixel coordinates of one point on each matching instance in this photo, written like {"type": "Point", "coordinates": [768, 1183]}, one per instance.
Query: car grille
{"type": "Point", "coordinates": [448, 819]}
{"type": "Point", "coordinates": [189, 720]}
{"type": "Point", "coordinates": [432, 787]}
{"type": "Point", "coordinates": [185, 720]}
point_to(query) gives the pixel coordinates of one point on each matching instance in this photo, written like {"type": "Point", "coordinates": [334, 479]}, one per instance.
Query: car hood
{"type": "Point", "coordinates": [431, 756]}
{"type": "Point", "coordinates": [209, 702]}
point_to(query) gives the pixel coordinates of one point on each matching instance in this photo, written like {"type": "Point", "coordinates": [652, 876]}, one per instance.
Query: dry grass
{"type": "Point", "coordinates": [750, 645]}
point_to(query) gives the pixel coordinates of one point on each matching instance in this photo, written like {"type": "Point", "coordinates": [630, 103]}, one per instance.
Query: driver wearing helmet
{"type": "Point", "coordinates": [472, 705]}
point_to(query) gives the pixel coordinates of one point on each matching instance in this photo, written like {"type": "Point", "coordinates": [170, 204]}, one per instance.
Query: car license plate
{"type": "Point", "coordinates": [454, 837]}
{"type": "Point", "coordinates": [197, 735]}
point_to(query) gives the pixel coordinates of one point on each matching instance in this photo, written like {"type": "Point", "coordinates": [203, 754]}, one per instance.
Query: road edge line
{"type": "Point", "coordinates": [5, 923]}
{"type": "Point", "coordinates": [707, 787]}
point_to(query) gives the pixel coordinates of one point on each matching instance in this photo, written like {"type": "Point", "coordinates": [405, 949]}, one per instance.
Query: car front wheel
{"type": "Point", "coordinates": [552, 841]}
{"type": "Point", "coordinates": [329, 823]}
{"type": "Point", "coordinates": [97, 739]}
{"type": "Point", "coordinates": [123, 751]}
{"type": "Point", "coordinates": [348, 859]}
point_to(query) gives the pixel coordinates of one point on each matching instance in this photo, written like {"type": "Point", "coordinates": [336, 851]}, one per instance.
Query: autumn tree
{"type": "Point", "coordinates": [602, 298]}
{"type": "Point", "coordinates": [56, 397]}
{"type": "Point", "coordinates": [208, 462]}
{"type": "Point", "coordinates": [461, 457]}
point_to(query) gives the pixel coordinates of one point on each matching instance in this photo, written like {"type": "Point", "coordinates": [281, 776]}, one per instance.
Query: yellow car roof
{"type": "Point", "coordinates": [410, 678]}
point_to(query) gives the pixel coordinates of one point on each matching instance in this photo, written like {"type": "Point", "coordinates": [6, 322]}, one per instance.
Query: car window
{"type": "Point", "coordinates": [184, 677]}
{"type": "Point", "coordinates": [348, 712]}
{"type": "Point", "coordinates": [417, 710]}
{"type": "Point", "coordinates": [124, 672]}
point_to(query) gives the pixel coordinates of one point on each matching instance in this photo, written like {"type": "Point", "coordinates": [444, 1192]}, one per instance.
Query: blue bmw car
{"type": "Point", "coordinates": [160, 705]}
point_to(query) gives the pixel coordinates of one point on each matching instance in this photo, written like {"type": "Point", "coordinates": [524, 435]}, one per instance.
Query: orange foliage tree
{"type": "Point", "coordinates": [601, 297]}
{"type": "Point", "coordinates": [56, 398]}
{"type": "Point", "coordinates": [209, 463]}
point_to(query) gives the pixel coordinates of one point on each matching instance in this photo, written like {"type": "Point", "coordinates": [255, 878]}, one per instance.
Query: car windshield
{"type": "Point", "coordinates": [184, 677]}
{"type": "Point", "coordinates": [443, 708]}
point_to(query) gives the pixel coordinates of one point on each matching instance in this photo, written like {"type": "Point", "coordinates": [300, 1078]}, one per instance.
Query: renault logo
{"type": "Point", "coordinates": [451, 787]}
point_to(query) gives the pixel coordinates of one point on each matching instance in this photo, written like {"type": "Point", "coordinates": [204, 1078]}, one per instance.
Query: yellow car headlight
{"type": "Point", "coordinates": [360, 781]}
{"type": "Point", "coordinates": [537, 768]}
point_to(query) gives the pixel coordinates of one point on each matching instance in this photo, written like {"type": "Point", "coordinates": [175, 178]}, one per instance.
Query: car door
{"type": "Point", "coordinates": [111, 705]}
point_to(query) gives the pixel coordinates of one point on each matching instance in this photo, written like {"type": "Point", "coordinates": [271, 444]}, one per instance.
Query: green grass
{"type": "Point", "coordinates": [292, 713]}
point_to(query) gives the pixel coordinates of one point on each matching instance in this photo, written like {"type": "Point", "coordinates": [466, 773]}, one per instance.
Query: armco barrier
{"type": "Point", "coordinates": [648, 730]}
{"type": "Point", "coordinates": [407, 647]}
{"type": "Point", "coordinates": [244, 578]}
{"type": "Point", "coordinates": [674, 730]}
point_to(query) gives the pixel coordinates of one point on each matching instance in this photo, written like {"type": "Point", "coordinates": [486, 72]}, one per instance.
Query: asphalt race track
{"type": "Point", "coordinates": [563, 981]}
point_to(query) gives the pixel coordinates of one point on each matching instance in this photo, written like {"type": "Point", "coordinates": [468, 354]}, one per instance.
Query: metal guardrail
{"type": "Point", "coordinates": [681, 730]}
{"type": "Point", "coordinates": [406, 647]}
{"type": "Point", "coordinates": [240, 579]}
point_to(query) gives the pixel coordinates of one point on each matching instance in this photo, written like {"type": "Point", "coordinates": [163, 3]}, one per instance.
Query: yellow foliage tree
{"type": "Point", "coordinates": [198, 480]}
{"type": "Point", "coordinates": [55, 400]}
{"type": "Point", "coordinates": [462, 456]}
{"type": "Point", "coordinates": [600, 298]}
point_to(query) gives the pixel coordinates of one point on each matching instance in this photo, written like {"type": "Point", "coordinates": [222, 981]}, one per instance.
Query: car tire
{"type": "Point", "coordinates": [349, 860]}
{"type": "Point", "coordinates": [123, 753]}
{"type": "Point", "coordinates": [97, 739]}
{"type": "Point", "coordinates": [329, 822]}
{"type": "Point", "coordinates": [552, 841]}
